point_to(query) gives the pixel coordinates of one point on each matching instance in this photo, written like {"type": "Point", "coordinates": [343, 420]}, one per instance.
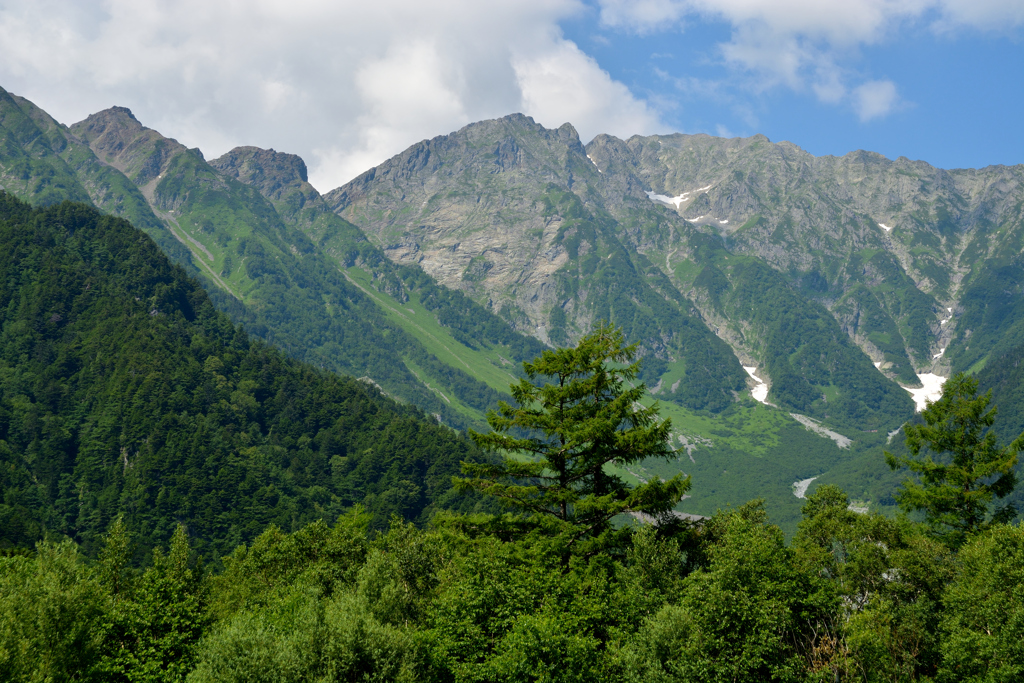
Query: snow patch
{"type": "Point", "coordinates": [885, 227]}
{"type": "Point", "coordinates": [878, 365]}
{"type": "Point", "coordinates": [760, 392]}
{"type": "Point", "coordinates": [931, 391]}
{"type": "Point", "coordinates": [670, 201]}
{"type": "Point", "coordinates": [665, 199]}
{"type": "Point", "coordinates": [815, 426]}
{"type": "Point", "coordinates": [595, 164]}
{"type": "Point", "coordinates": [724, 222]}
{"type": "Point", "coordinates": [949, 309]}
{"type": "Point", "coordinates": [939, 354]}
{"type": "Point", "coordinates": [800, 487]}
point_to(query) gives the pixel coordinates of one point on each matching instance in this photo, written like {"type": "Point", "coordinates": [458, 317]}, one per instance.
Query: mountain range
{"type": "Point", "coordinates": [785, 305]}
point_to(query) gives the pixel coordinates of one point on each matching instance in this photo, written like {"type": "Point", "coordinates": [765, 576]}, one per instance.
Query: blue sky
{"type": "Point", "coordinates": [347, 84]}
{"type": "Point", "coordinates": [959, 92]}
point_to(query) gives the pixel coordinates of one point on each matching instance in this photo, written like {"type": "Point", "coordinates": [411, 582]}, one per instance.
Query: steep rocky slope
{"type": "Point", "coordinates": [553, 236]}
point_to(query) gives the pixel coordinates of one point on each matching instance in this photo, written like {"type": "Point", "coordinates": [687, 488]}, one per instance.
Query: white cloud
{"type": "Point", "coordinates": [803, 43]}
{"type": "Point", "coordinates": [344, 84]}
{"type": "Point", "coordinates": [565, 85]}
{"type": "Point", "coordinates": [874, 99]}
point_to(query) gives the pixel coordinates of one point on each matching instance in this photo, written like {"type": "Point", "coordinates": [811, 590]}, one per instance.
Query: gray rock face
{"type": "Point", "coordinates": [272, 173]}
{"type": "Point", "coordinates": [467, 208]}
{"type": "Point", "coordinates": [880, 253]}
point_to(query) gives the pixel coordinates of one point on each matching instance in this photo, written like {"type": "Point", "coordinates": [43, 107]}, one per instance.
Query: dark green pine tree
{"type": "Point", "coordinates": [561, 436]}
{"type": "Point", "coordinates": [956, 488]}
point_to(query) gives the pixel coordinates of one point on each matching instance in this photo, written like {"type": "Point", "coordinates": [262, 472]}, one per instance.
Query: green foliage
{"type": "Point", "coordinates": [480, 598]}
{"type": "Point", "coordinates": [316, 556]}
{"type": "Point", "coordinates": [155, 626]}
{"type": "Point", "coordinates": [51, 616]}
{"type": "Point", "coordinates": [752, 614]}
{"type": "Point", "coordinates": [955, 491]}
{"type": "Point", "coordinates": [890, 576]}
{"type": "Point", "coordinates": [581, 420]}
{"type": "Point", "coordinates": [984, 615]}
{"type": "Point", "coordinates": [1004, 376]}
{"type": "Point", "coordinates": [302, 638]}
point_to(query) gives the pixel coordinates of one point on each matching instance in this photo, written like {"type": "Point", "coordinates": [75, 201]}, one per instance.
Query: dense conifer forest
{"type": "Point", "coordinates": [123, 390]}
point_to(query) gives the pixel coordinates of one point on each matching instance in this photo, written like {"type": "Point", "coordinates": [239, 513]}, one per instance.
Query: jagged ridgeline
{"type": "Point", "coordinates": [122, 390]}
{"type": "Point", "coordinates": [272, 255]}
{"type": "Point", "coordinates": [838, 283]}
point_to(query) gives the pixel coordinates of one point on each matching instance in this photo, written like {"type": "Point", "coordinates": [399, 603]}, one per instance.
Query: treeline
{"type": "Point", "coordinates": [122, 390]}
{"type": "Point", "coordinates": [469, 322]}
{"type": "Point", "coordinates": [476, 598]}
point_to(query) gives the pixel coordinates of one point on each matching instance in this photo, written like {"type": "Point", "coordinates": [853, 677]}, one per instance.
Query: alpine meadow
{"type": "Point", "coordinates": [509, 406]}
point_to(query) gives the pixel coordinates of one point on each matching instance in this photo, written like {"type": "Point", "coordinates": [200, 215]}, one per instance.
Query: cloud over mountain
{"type": "Point", "coordinates": [345, 85]}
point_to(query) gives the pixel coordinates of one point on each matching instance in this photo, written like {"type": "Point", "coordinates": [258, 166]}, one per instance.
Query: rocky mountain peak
{"type": "Point", "coordinates": [269, 171]}
{"type": "Point", "coordinates": [119, 139]}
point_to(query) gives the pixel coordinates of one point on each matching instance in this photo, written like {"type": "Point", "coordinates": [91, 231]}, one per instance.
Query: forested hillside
{"type": "Point", "coordinates": [478, 599]}
{"type": "Point", "coordinates": [122, 390]}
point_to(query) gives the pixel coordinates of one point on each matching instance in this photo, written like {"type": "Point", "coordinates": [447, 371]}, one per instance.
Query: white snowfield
{"type": "Point", "coordinates": [939, 354]}
{"type": "Point", "coordinates": [885, 227]}
{"type": "Point", "coordinates": [931, 391]}
{"type": "Point", "coordinates": [760, 392]}
{"type": "Point", "coordinates": [595, 164]}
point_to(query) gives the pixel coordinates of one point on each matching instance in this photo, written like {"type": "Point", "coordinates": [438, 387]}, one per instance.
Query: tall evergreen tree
{"type": "Point", "coordinates": [567, 431]}
{"type": "Point", "coordinates": [955, 490]}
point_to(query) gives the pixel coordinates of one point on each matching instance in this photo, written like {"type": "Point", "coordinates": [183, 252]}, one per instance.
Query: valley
{"type": "Point", "coordinates": [792, 311]}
